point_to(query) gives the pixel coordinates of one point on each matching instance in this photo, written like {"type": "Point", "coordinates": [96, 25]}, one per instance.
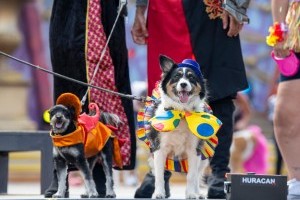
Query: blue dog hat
{"type": "Point", "coordinates": [192, 64]}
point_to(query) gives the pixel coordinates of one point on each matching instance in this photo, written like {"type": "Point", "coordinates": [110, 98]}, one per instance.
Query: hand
{"type": "Point", "coordinates": [234, 26]}
{"type": "Point", "coordinates": [139, 30]}
{"type": "Point", "coordinates": [280, 51]}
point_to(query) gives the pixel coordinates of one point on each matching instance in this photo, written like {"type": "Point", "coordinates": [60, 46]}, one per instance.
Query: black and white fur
{"type": "Point", "coordinates": [62, 123]}
{"type": "Point", "coordinates": [180, 89]}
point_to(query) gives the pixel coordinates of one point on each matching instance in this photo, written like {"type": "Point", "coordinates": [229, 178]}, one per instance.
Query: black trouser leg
{"type": "Point", "coordinates": [222, 109]}
{"type": "Point", "coordinates": [100, 180]}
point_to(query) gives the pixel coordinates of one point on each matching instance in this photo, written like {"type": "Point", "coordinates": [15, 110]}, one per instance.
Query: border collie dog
{"type": "Point", "coordinates": [182, 88]}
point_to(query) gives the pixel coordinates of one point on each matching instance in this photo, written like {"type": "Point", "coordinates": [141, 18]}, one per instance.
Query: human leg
{"type": "Point", "coordinates": [223, 109]}
{"type": "Point", "coordinates": [287, 126]}
{"type": "Point", "coordinates": [100, 180]}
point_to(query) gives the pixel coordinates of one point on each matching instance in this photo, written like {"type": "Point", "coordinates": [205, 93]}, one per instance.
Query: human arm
{"type": "Point", "coordinates": [279, 12]}
{"type": "Point", "coordinates": [139, 30]}
{"type": "Point", "coordinates": [229, 21]}
{"type": "Point", "coordinates": [238, 9]}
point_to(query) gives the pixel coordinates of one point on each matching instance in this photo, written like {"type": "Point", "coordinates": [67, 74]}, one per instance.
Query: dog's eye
{"type": "Point", "coordinates": [177, 76]}
{"type": "Point", "coordinates": [191, 76]}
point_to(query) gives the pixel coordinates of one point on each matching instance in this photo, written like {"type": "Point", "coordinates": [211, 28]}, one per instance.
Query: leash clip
{"type": "Point", "coordinates": [123, 2]}
{"type": "Point", "coordinates": [122, 9]}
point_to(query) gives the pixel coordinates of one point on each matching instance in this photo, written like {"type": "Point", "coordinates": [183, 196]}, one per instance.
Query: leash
{"type": "Point", "coordinates": [122, 3]}
{"type": "Point", "coordinates": [128, 96]}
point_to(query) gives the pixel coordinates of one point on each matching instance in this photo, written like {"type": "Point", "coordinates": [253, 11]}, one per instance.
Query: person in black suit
{"type": "Point", "coordinates": [78, 32]}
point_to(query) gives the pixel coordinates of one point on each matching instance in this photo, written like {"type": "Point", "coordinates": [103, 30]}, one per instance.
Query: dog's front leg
{"type": "Point", "coordinates": [90, 185]}
{"type": "Point", "coordinates": [61, 170]}
{"type": "Point", "coordinates": [159, 167]}
{"type": "Point", "coordinates": [192, 187]}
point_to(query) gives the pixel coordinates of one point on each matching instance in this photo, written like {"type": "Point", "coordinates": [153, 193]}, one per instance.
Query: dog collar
{"type": "Point", "coordinates": [203, 125]}
{"type": "Point", "coordinates": [175, 163]}
{"type": "Point", "coordinates": [144, 127]}
{"type": "Point", "coordinates": [205, 150]}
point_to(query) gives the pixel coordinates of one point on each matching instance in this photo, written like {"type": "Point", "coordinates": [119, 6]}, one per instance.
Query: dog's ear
{"type": "Point", "coordinates": [203, 93]}
{"type": "Point", "coordinates": [166, 63]}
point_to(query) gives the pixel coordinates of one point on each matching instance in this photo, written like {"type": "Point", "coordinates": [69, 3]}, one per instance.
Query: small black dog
{"type": "Point", "coordinates": [64, 124]}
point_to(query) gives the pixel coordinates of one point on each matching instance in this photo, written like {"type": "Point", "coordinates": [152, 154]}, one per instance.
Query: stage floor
{"type": "Point", "coordinates": [31, 191]}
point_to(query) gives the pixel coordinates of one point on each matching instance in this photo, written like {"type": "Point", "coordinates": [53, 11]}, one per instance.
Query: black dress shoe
{"type": "Point", "coordinates": [147, 187]}
{"type": "Point", "coordinates": [216, 188]}
{"type": "Point", "coordinates": [100, 180]}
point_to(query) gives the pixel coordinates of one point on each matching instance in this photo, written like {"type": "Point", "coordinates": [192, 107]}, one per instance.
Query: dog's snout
{"type": "Point", "coordinates": [183, 85]}
{"type": "Point", "coordinates": [59, 116]}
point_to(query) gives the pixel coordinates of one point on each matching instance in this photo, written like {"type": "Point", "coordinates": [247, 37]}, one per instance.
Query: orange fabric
{"type": "Point", "coordinates": [93, 141]}
{"type": "Point", "coordinates": [117, 153]}
{"type": "Point", "coordinates": [67, 140]}
{"type": "Point", "coordinates": [96, 139]}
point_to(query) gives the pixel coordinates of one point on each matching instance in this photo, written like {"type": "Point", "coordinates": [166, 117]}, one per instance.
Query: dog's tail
{"type": "Point", "coordinates": [110, 119]}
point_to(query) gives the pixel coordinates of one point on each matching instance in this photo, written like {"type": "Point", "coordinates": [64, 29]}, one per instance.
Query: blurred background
{"type": "Point", "coordinates": [26, 93]}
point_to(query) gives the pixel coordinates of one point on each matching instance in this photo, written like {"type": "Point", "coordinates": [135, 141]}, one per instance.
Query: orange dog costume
{"type": "Point", "coordinates": [90, 132]}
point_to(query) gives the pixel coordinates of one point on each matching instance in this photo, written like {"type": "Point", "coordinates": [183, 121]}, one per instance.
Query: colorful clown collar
{"type": "Point", "coordinates": [202, 124]}
{"type": "Point", "coordinates": [175, 163]}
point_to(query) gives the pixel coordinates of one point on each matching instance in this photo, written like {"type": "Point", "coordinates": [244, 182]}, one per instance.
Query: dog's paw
{"type": "Point", "coordinates": [110, 195]}
{"type": "Point", "coordinates": [94, 196]}
{"type": "Point", "coordinates": [159, 196]}
{"type": "Point", "coordinates": [84, 196]}
{"type": "Point", "coordinates": [193, 196]}
{"type": "Point", "coordinates": [56, 195]}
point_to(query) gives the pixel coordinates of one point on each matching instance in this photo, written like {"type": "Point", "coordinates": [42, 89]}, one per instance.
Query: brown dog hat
{"type": "Point", "coordinates": [70, 100]}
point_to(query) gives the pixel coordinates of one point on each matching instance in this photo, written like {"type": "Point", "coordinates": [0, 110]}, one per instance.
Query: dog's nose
{"type": "Point", "coordinates": [58, 117]}
{"type": "Point", "coordinates": [183, 85]}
